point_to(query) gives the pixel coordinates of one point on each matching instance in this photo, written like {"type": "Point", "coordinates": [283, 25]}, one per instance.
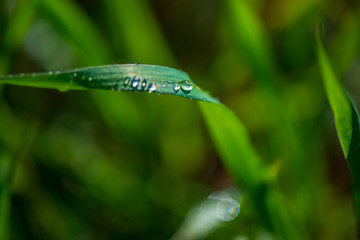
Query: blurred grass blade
{"type": "Point", "coordinates": [254, 43]}
{"type": "Point", "coordinates": [78, 29]}
{"type": "Point", "coordinates": [19, 23]}
{"type": "Point", "coordinates": [346, 117]}
{"type": "Point", "coordinates": [243, 164]}
{"type": "Point", "coordinates": [144, 26]}
{"type": "Point", "coordinates": [251, 37]}
{"type": "Point", "coordinates": [233, 144]}
{"type": "Point", "coordinates": [7, 170]}
{"type": "Point", "coordinates": [125, 77]}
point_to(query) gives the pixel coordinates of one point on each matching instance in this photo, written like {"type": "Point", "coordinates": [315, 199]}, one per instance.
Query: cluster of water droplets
{"type": "Point", "coordinates": [135, 83]}
{"type": "Point", "coordinates": [138, 83]}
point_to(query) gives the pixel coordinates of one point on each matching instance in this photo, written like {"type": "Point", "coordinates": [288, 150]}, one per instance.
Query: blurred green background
{"type": "Point", "coordinates": [109, 165]}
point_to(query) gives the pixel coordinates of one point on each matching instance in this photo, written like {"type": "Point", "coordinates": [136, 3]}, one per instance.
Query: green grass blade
{"type": "Point", "coordinates": [20, 22]}
{"type": "Point", "coordinates": [77, 28]}
{"type": "Point", "coordinates": [254, 43]}
{"type": "Point", "coordinates": [5, 171]}
{"type": "Point", "coordinates": [346, 117]}
{"type": "Point", "coordinates": [144, 26]}
{"type": "Point", "coordinates": [233, 143]}
{"type": "Point", "coordinates": [243, 164]}
{"type": "Point", "coordinates": [125, 77]}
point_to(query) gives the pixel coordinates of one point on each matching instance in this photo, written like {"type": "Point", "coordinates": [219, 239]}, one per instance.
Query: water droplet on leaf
{"type": "Point", "coordinates": [186, 86]}
{"type": "Point", "coordinates": [176, 87]}
{"type": "Point", "coordinates": [227, 209]}
{"type": "Point", "coordinates": [135, 81]}
{"type": "Point", "coordinates": [151, 87]}
{"type": "Point", "coordinates": [143, 84]}
{"type": "Point", "coordinates": [126, 82]}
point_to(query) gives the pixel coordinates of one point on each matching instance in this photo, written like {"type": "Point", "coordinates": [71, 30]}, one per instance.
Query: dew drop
{"type": "Point", "coordinates": [90, 78]}
{"type": "Point", "coordinates": [176, 87]}
{"type": "Point", "coordinates": [74, 74]}
{"type": "Point", "coordinates": [227, 209]}
{"type": "Point", "coordinates": [135, 81]}
{"type": "Point", "coordinates": [186, 86]}
{"type": "Point", "coordinates": [126, 82]}
{"type": "Point", "coordinates": [51, 73]}
{"type": "Point", "coordinates": [163, 85]}
{"type": "Point", "coordinates": [151, 87]}
{"type": "Point", "coordinates": [143, 84]}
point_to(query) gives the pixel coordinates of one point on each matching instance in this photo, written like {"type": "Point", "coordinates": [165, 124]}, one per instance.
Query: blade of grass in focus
{"type": "Point", "coordinates": [346, 117]}
{"type": "Point", "coordinates": [124, 77]}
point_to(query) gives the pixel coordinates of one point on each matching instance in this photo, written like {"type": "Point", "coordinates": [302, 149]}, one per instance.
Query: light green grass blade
{"type": "Point", "coordinates": [346, 117]}
{"type": "Point", "coordinates": [124, 77]}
